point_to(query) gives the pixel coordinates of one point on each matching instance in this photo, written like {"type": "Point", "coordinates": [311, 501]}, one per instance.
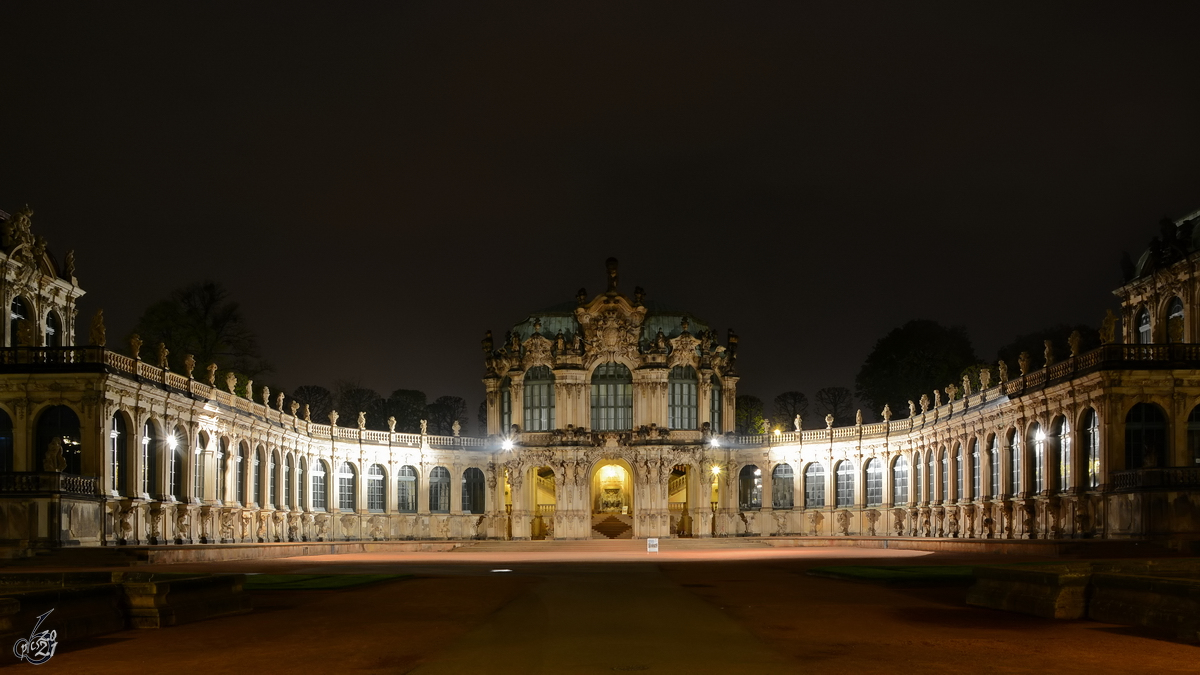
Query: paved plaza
{"type": "Point", "coordinates": [603, 607]}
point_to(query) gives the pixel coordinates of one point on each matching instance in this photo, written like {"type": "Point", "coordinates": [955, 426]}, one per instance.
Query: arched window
{"type": "Point", "coordinates": [874, 482]}
{"type": "Point", "coordinates": [783, 486]}
{"type": "Point", "coordinates": [149, 459]}
{"type": "Point", "coordinates": [287, 481]}
{"type": "Point", "coordinates": [1145, 437]}
{"type": "Point", "coordinates": [54, 329]}
{"type": "Point", "coordinates": [900, 481]}
{"type": "Point", "coordinates": [958, 471]}
{"type": "Point", "coordinates": [376, 482]}
{"type": "Point", "coordinates": [994, 460]}
{"type": "Point", "coordinates": [222, 468]}
{"type": "Point", "coordinates": [714, 405]}
{"type": "Point", "coordinates": [1143, 328]}
{"type": "Point", "coordinates": [272, 480]}
{"type": "Point", "coordinates": [845, 483]}
{"type": "Point", "coordinates": [320, 493]}
{"type": "Point", "coordinates": [1193, 435]}
{"type": "Point", "coordinates": [198, 466]}
{"type": "Point", "coordinates": [1037, 441]}
{"type": "Point", "coordinates": [814, 485]}
{"type": "Point", "coordinates": [931, 478]}
{"type": "Point", "coordinates": [1014, 476]}
{"type": "Point", "coordinates": [301, 482]}
{"type": "Point", "coordinates": [976, 471]}
{"type": "Point", "coordinates": [406, 490]}
{"type": "Point", "coordinates": [750, 488]}
{"type": "Point", "coordinates": [347, 486]}
{"type": "Point", "coordinates": [18, 312]}
{"type": "Point", "coordinates": [1091, 446]}
{"type": "Point", "coordinates": [7, 459]}
{"type": "Point", "coordinates": [612, 397]}
{"type": "Point", "coordinates": [472, 491]}
{"type": "Point", "coordinates": [1175, 321]}
{"type": "Point", "coordinates": [1064, 475]}
{"type": "Point", "coordinates": [505, 405]}
{"type": "Point", "coordinates": [60, 424]}
{"type": "Point", "coordinates": [256, 462]}
{"type": "Point", "coordinates": [118, 453]}
{"type": "Point", "coordinates": [240, 469]}
{"type": "Point", "coordinates": [945, 496]}
{"type": "Point", "coordinates": [918, 479]}
{"type": "Point", "coordinates": [439, 490]}
{"type": "Point", "coordinates": [681, 398]}
{"type": "Point", "coordinates": [539, 399]}
{"type": "Point", "coordinates": [178, 463]}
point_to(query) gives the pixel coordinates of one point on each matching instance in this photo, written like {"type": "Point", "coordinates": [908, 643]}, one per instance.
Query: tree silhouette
{"type": "Point", "coordinates": [836, 401]}
{"type": "Point", "coordinates": [911, 360]}
{"type": "Point", "coordinates": [787, 406]}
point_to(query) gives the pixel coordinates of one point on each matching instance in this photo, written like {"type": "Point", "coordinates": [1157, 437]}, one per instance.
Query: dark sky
{"type": "Point", "coordinates": [378, 184]}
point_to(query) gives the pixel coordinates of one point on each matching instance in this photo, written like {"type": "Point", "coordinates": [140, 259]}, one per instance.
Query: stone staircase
{"type": "Point", "coordinates": [612, 526]}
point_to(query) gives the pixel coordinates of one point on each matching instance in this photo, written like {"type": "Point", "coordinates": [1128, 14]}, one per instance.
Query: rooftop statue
{"type": "Point", "coordinates": [1073, 342]}
{"type": "Point", "coordinates": [1049, 353]}
{"type": "Point", "coordinates": [611, 265]}
{"type": "Point", "coordinates": [96, 334]}
{"type": "Point", "coordinates": [1108, 328]}
{"type": "Point", "coordinates": [212, 374]}
{"type": "Point", "coordinates": [163, 352]}
{"type": "Point", "coordinates": [135, 347]}
{"type": "Point", "coordinates": [1003, 368]}
{"type": "Point", "coordinates": [189, 365]}
{"type": "Point", "coordinates": [1024, 361]}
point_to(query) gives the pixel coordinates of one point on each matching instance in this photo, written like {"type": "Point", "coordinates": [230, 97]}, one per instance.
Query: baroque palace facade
{"type": "Point", "coordinates": [608, 416]}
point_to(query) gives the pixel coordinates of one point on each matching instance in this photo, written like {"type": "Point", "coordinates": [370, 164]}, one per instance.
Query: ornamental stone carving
{"type": "Point", "coordinates": [96, 334]}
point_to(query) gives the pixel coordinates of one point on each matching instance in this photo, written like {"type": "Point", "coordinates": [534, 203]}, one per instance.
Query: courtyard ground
{"type": "Point", "coordinates": [604, 607]}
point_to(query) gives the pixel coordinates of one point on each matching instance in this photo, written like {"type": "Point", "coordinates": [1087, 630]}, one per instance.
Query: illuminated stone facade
{"type": "Point", "coordinates": [608, 416]}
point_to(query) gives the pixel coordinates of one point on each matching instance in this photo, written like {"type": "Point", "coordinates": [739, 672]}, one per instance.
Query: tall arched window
{"type": "Point", "coordinates": [272, 480]}
{"type": "Point", "coordinates": [439, 490]}
{"type": "Point", "coordinates": [320, 492]}
{"type": "Point", "coordinates": [900, 481]}
{"type": "Point", "coordinates": [539, 399]}
{"type": "Point", "coordinates": [198, 466]}
{"type": "Point", "coordinates": [7, 458]}
{"type": "Point", "coordinates": [1037, 441]}
{"type": "Point", "coordinates": [1193, 435]}
{"type": "Point", "coordinates": [505, 405]}
{"type": "Point", "coordinates": [783, 486]}
{"type": "Point", "coordinates": [945, 496]}
{"type": "Point", "coordinates": [473, 491]}
{"type": "Point", "coordinates": [612, 397]}
{"type": "Point", "coordinates": [750, 488]}
{"type": "Point", "coordinates": [222, 467]}
{"type": "Point", "coordinates": [287, 481]}
{"type": "Point", "coordinates": [1014, 476]}
{"type": "Point", "coordinates": [240, 469]}
{"type": "Point", "coordinates": [845, 483]}
{"type": "Point", "coordinates": [347, 486]}
{"type": "Point", "coordinates": [681, 398]}
{"type": "Point", "coordinates": [301, 482]}
{"type": "Point", "coordinates": [976, 470]}
{"type": "Point", "coordinates": [256, 463]}
{"type": "Point", "coordinates": [918, 479]}
{"type": "Point", "coordinates": [994, 461]}
{"type": "Point", "coordinates": [874, 482]}
{"type": "Point", "coordinates": [814, 486]}
{"type": "Point", "coordinates": [54, 329]}
{"type": "Point", "coordinates": [1143, 328]}
{"type": "Point", "coordinates": [958, 471]}
{"type": "Point", "coordinates": [59, 423]}
{"type": "Point", "coordinates": [178, 463]}
{"type": "Point", "coordinates": [118, 453]}
{"type": "Point", "coordinates": [1091, 446]}
{"type": "Point", "coordinates": [149, 459]}
{"type": "Point", "coordinates": [18, 312]}
{"type": "Point", "coordinates": [714, 406]}
{"type": "Point", "coordinates": [376, 482]}
{"type": "Point", "coordinates": [406, 490]}
{"type": "Point", "coordinates": [1175, 321]}
{"type": "Point", "coordinates": [931, 479]}
{"type": "Point", "coordinates": [1064, 475]}
{"type": "Point", "coordinates": [1145, 437]}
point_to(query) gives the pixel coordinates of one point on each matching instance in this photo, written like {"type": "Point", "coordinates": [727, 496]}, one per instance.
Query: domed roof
{"type": "Point", "coordinates": [659, 316]}
{"type": "Point", "coordinates": [1177, 240]}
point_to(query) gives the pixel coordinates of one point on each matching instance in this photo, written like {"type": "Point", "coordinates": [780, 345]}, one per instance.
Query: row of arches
{"type": "Point", "coordinates": [51, 327]}
{"type": "Point", "coordinates": [1167, 327]}
{"type": "Point", "coordinates": [611, 399]}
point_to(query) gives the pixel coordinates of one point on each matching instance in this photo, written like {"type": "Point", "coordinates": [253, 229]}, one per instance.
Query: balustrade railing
{"type": "Point", "coordinates": [1162, 478]}
{"type": "Point", "coordinates": [25, 482]}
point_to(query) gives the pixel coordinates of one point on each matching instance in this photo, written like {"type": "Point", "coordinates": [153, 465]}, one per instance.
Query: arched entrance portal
{"type": "Point", "coordinates": [612, 500]}
{"type": "Point", "coordinates": [545, 501]}
{"type": "Point", "coordinates": [679, 501]}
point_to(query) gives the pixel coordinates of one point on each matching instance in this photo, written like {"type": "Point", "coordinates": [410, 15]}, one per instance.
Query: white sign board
{"type": "Point", "coordinates": [652, 545]}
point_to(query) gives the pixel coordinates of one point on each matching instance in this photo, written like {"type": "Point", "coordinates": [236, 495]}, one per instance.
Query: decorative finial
{"type": "Point", "coordinates": [611, 265]}
{"type": "Point", "coordinates": [333, 418]}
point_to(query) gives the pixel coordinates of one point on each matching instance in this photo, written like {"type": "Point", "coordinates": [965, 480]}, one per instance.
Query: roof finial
{"type": "Point", "coordinates": [611, 264]}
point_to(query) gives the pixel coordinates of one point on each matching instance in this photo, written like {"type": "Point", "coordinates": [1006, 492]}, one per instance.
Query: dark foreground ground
{"type": "Point", "coordinates": [618, 609]}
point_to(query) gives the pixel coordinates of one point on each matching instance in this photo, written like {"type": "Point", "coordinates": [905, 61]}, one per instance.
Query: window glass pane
{"type": "Point", "coordinates": [845, 483]}
{"type": "Point", "coordinates": [814, 485]}
{"type": "Point", "coordinates": [782, 487]}
{"type": "Point", "coordinates": [900, 481]}
{"type": "Point", "coordinates": [612, 397]}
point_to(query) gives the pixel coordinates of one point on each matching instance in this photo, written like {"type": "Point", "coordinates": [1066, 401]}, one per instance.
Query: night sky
{"type": "Point", "coordinates": [378, 184]}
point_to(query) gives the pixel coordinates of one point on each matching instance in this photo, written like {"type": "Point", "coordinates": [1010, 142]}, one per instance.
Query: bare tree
{"type": "Point", "coordinates": [836, 401]}
{"type": "Point", "coordinates": [787, 406]}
